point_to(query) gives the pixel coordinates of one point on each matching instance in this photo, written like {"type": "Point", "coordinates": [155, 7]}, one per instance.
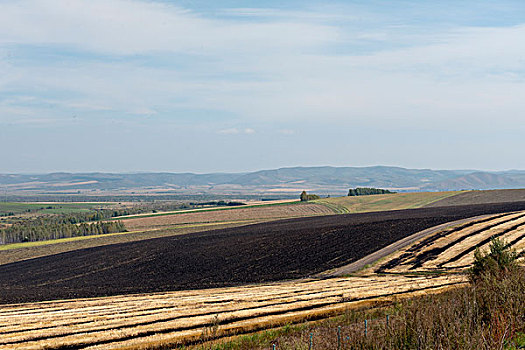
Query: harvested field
{"type": "Point", "coordinates": [452, 249]}
{"type": "Point", "coordinates": [161, 320]}
{"type": "Point", "coordinates": [138, 321]}
{"type": "Point", "coordinates": [239, 214]}
{"type": "Point", "coordinates": [481, 197]}
{"type": "Point", "coordinates": [286, 249]}
{"type": "Point", "coordinates": [146, 226]}
{"type": "Point", "coordinates": [382, 202]}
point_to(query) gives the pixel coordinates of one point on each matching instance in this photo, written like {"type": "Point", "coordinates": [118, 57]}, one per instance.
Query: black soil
{"type": "Point", "coordinates": [273, 251]}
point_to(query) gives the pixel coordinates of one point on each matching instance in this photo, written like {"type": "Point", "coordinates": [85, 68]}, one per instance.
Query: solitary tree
{"type": "Point", "coordinates": [304, 196]}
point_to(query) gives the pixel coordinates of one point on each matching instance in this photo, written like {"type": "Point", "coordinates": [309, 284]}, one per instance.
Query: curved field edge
{"type": "Point", "coordinates": [484, 196]}
{"type": "Point", "coordinates": [342, 205]}
{"type": "Point", "coordinates": [30, 250]}
{"type": "Point", "coordinates": [143, 228]}
{"type": "Point", "coordinates": [383, 202]}
{"type": "Point", "coordinates": [181, 317]}
{"type": "Point", "coordinates": [189, 317]}
{"type": "Point", "coordinates": [273, 251]}
{"type": "Point", "coordinates": [204, 210]}
{"type": "Point", "coordinates": [367, 264]}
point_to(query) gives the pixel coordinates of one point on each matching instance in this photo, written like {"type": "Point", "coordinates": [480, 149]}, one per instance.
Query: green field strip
{"type": "Point", "coordinates": [44, 208]}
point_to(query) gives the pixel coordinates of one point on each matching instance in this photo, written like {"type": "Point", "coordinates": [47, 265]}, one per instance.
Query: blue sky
{"type": "Point", "coordinates": [206, 86]}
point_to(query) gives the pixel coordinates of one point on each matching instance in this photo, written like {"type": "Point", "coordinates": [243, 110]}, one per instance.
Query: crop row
{"type": "Point", "coordinates": [453, 248]}
{"type": "Point", "coordinates": [185, 317]}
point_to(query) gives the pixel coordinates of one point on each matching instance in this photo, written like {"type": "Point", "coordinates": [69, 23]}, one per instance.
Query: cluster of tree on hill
{"type": "Point", "coordinates": [41, 230]}
{"type": "Point", "coordinates": [367, 191]}
{"type": "Point", "coordinates": [308, 197]}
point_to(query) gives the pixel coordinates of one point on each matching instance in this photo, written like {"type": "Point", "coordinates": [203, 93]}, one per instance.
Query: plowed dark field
{"type": "Point", "coordinates": [264, 252]}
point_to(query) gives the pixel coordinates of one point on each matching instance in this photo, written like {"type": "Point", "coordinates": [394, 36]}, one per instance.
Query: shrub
{"type": "Point", "coordinates": [496, 263]}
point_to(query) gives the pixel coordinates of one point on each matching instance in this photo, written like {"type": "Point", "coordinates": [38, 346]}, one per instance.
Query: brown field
{"type": "Point", "coordinates": [148, 226]}
{"type": "Point", "coordinates": [189, 317]}
{"type": "Point", "coordinates": [239, 215]}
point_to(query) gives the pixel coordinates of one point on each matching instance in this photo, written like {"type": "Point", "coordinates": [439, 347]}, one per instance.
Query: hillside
{"type": "Point", "coordinates": [478, 180]}
{"type": "Point", "coordinates": [480, 197]}
{"type": "Point", "coordinates": [276, 182]}
{"type": "Point", "coordinates": [274, 251]}
{"type": "Point", "coordinates": [395, 201]}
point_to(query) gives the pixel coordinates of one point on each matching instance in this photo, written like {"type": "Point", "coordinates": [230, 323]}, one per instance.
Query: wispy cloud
{"type": "Point", "coordinates": [349, 65]}
{"type": "Point", "coordinates": [286, 132]}
{"type": "Point", "coordinates": [131, 27]}
{"type": "Point", "coordinates": [235, 131]}
{"type": "Point", "coordinates": [232, 131]}
{"type": "Point", "coordinates": [287, 67]}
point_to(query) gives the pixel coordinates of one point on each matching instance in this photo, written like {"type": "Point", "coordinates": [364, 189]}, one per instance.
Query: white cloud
{"type": "Point", "coordinates": [129, 27]}
{"type": "Point", "coordinates": [235, 131]}
{"type": "Point", "coordinates": [279, 69]}
{"type": "Point", "coordinates": [232, 131]}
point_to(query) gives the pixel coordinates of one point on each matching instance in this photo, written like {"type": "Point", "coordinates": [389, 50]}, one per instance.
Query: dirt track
{"type": "Point", "coordinates": [258, 253]}
{"type": "Point", "coordinates": [388, 250]}
{"type": "Point", "coordinates": [452, 249]}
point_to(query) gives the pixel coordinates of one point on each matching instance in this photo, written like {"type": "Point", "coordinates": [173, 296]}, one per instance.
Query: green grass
{"type": "Point", "coordinates": [382, 202]}
{"type": "Point", "coordinates": [519, 340]}
{"type": "Point", "coordinates": [254, 339]}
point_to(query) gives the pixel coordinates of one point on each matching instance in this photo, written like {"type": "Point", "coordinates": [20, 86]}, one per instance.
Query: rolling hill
{"type": "Point", "coordinates": [283, 181]}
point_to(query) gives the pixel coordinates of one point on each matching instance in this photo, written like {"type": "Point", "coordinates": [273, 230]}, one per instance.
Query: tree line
{"type": "Point", "coordinates": [42, 230]}
{"type": "Point", "coordinates": [367, 191]}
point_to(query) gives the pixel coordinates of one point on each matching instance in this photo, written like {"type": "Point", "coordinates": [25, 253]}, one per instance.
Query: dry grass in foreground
{"type": "Point", "coordinates": [487, 314]}
{"type": "Point", "coordinates": [164, 320]}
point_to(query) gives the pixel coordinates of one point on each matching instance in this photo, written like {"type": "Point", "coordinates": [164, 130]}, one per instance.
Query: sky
{"type": "Point", "coordinates": [229, 86]}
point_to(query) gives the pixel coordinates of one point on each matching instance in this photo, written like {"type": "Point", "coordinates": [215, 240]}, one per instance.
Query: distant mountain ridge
{"type": "Point", "coordinates": [324, 179]}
